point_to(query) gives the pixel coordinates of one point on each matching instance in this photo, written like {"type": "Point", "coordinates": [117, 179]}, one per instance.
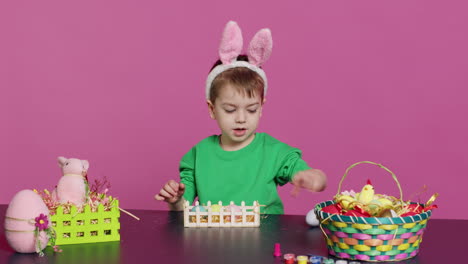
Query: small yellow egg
{"type": "Point", "coordinates": [215, 208]}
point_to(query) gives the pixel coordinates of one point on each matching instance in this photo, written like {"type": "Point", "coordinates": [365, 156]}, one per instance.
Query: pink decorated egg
{"type": "Point", "coordinates": [234, 208]}
{"type": "Point", "coordinates": [20, 221]}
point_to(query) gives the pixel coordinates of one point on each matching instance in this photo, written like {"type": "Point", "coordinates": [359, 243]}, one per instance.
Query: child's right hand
{"type": "Point", "coordinates": [171, 192]}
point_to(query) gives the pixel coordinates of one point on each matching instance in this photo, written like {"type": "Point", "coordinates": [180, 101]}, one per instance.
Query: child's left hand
{"type": "Point", "coordinates": [313, 180]}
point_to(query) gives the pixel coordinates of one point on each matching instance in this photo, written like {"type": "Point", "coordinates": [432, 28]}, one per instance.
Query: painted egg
{"type": "Point", "coordinates": [233, 208]}
{"type": "Point", "coordinates": [311, 218]}
{"type": "Point", "coordinates": [20, 222]}
{"type": "Point", "coordinates": [200, 208]}
{"type": "Point", "coordinates": [215, 208]}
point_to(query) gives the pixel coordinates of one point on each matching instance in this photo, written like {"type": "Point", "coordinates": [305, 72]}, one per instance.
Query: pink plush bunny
{"type": "Point", "coordinates": [72, 187]}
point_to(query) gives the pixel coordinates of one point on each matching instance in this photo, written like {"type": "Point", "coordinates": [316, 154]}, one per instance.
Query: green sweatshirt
{"type": "Point", "coordinates": [249, 174]}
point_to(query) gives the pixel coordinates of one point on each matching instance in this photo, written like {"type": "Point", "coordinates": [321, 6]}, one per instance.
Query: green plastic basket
{"type": "Point", "coordinates": [86, 226]}
{"type": "Point", "coordinates": [373, 239]}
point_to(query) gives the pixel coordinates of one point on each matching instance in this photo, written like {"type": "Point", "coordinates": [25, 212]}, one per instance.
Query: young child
{"type": "Point", "coordinates": [240, 164]}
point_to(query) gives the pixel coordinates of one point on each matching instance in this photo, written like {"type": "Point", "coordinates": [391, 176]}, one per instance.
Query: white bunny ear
{"type": "Point", "coordinates": [61, 161]}
{"type": "Point", "coordinates": [85, 164]}
{"type": "Point", "coordinates": [260, 47]}
{"type": "Point", "coordinates": [231, 43]}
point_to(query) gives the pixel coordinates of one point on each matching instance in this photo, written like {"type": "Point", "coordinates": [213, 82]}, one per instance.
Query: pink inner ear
{"type": "Point", "coordinates": [260, 47]}
{"type": "Point", "coordinates": [61, 161]}
{"type": "Point", "coordinates": [231, 43]}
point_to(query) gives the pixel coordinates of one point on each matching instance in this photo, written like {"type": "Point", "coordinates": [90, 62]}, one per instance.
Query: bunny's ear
{"type": "Point", "coordinates": [85, 164]}
{"type": "Point", "coordinates": [61, 161]}
{"type": "Point", "coordinates": [231, 43]}
{"type": "Point", "coordinates": [260, 47]}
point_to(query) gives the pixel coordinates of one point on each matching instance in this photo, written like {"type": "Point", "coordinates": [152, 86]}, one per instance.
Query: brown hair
{"type": "Point", "coordinates": [244, 80]}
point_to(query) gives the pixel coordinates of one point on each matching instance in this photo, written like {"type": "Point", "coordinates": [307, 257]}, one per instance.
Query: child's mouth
{"type": "Point", "coordinates": [239, 132]}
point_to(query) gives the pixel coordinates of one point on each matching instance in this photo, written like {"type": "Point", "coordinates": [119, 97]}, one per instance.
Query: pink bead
{"type": "Point", "coordinates": [406, 235]}
{"type": "Point", "coordinates": [340, 234]}
{"type": "Point", "coordinates": [414, 253]}
{"type": "Point", "coordinates": [420, 231]}
{"type": "Point", "coordinates": [382, 257]}
{"type": "Point", "coordinates": [277, 251]}
{"type": "Point", "coordinates": [361, 236]}
{"type": "Point", "coordinates": [343, 255]}
{"type": "Point", "coordinates": [362, 257]}
{"type": "Point", "coordinates": [385, 237]}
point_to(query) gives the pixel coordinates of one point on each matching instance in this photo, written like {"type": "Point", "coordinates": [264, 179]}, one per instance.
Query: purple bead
{"type": "Point", "coordinates": [401, 256]}
{"type": "Point", "coordinates": [327, 231]}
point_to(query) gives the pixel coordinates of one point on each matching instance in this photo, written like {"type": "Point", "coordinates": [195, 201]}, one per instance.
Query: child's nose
{"type": "Point", "coordinates": [240, 117]}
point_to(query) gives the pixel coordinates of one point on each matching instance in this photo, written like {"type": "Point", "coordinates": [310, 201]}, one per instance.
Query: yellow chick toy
{"type": "Point", "coordinates": [367, 193]}
{"type": "Point", "coordinates": [375, 204]}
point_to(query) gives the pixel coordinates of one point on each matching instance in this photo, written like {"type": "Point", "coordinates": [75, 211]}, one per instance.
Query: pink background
{"type": "Point", "coordinates": [121, 83]}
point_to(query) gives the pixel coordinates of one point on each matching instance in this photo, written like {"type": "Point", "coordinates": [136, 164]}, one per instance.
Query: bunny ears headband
{"type": "Point", "coordinates": [231, 46]}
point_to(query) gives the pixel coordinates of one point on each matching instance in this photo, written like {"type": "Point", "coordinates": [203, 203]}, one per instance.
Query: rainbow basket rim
{"type": "Point", "coordinates": [368, 220]}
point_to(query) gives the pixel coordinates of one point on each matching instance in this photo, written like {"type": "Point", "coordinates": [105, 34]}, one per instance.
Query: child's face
{"type": "Point", "coordinates": [237, 116]}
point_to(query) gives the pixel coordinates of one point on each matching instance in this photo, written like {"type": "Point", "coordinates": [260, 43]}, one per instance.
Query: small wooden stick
{"type": "Point", "coordinates": [130, 214]}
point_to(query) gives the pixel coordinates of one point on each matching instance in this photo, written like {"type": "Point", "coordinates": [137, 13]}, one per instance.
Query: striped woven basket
{"type": "Point", "coordinates": [373, 239]}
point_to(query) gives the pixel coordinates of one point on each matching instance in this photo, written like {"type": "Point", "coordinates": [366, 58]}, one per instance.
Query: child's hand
{"type": "Point", "coordinates": [171, 192]}
{"type": "Point", "coordinates": [312, 180]}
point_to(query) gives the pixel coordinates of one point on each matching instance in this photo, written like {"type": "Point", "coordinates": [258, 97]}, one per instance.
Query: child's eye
{"type": "Point", "coordinates": [252, 111]}
{"type": "Point", "coordinates": [229, 110]}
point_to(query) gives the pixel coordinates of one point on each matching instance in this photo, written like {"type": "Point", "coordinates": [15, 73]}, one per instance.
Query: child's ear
{"type": "Point", "coordinates": [261, 108]}
{"type": "Point", "coordinates": [210, 109]}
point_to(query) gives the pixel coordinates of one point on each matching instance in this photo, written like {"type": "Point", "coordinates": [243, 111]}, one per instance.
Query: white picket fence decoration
{"type": "Point", "coordinates": [246, 211]}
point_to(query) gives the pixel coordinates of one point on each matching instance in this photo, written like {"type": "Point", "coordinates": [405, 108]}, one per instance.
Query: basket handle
{"type": "Point", "coordinates": [377, 164]}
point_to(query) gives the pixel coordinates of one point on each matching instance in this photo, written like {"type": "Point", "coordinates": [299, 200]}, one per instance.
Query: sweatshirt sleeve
{"type": "Point", "coordinates": [290, 163]}
{"type": "Point", "coordinates": [187, 175]}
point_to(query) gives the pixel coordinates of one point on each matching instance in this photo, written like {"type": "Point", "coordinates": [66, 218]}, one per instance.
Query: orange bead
{"type": "Point", "coordinates": [350, 241]}
{"type": "Point", "coordinates": [335, 239]}
{"type": "Point", "coordinates": [395, 242]}
{"type": "Point", "coordinates": [413, 239]}
{"type": "Point", "coordinates": [373, 242]}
